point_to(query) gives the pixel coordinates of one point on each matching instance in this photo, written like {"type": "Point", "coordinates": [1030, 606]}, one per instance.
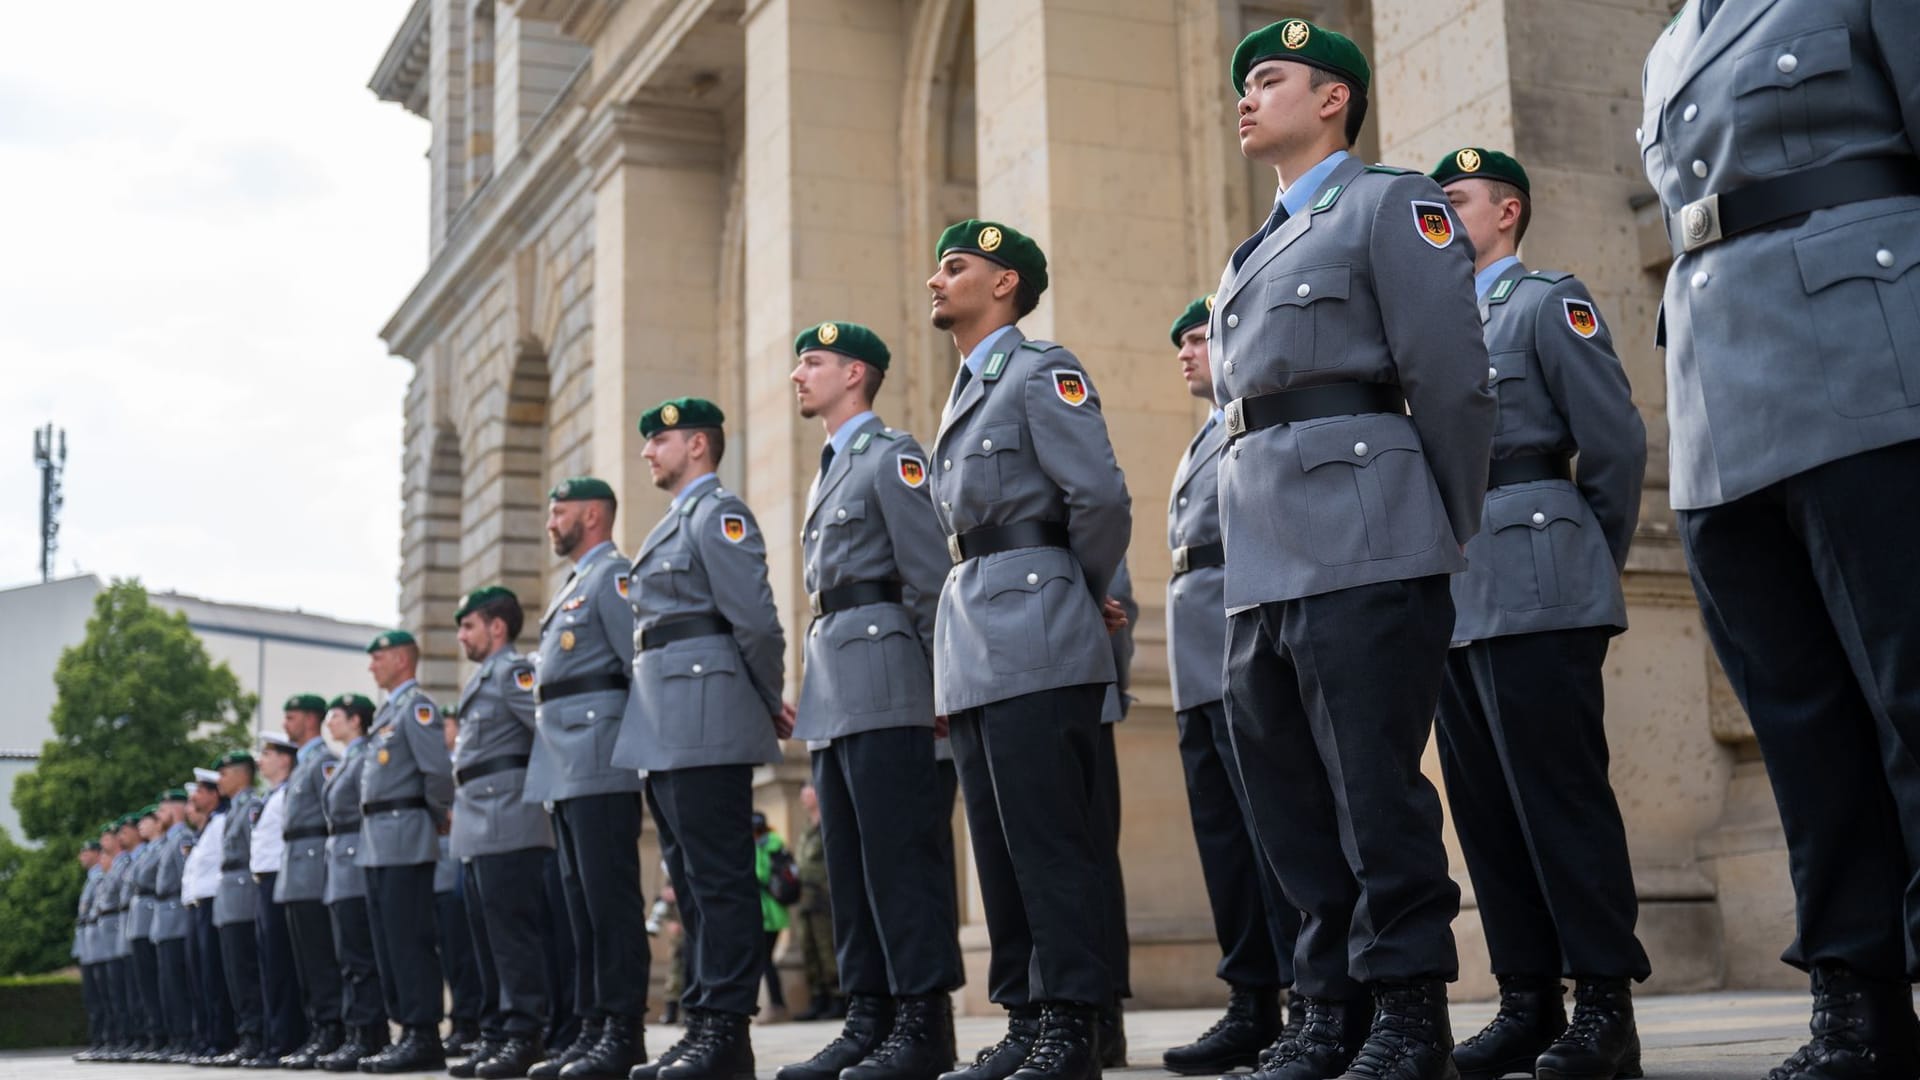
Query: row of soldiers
{"type": "Point", "coordinates": [1410, 507]}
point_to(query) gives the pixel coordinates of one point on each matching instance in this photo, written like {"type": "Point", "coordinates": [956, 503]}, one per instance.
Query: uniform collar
{"type": "Point", "coordinates": [1301, 192]}
{"type": "Point", "coordinates": [848, 430]}
{"type": "Point", "coordinates": [394, 694]}
{"type": "Point", "coordinates": [1484, 280]}
{"type": "Point", "coordinates": [699, 485]}
{"type": "Point", "coordinates": [356, 742]}
{"type": "Point", "coordinates": [581, 566]}
{"type": "Point", "coordinates": [977, 358]}
{"type": "Point", "coordinates": [308, 748]}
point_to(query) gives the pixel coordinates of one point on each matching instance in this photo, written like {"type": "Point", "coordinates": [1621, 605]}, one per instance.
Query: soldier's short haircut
{"type": "Point", "coordinates": [1356, 100]}
{"type": "Point", "coordinates": [507, 610]}
{"type": "Point", "coordinates": [1500, 191]}
{"type": "Point", "coordinates": [870, 382]}
{"type": "Point", "coordinates": [362, 713]}
{"type": "Point", "coordinates": [1026, 297]}
{"type": "Point", "coordinates": [716, 442]}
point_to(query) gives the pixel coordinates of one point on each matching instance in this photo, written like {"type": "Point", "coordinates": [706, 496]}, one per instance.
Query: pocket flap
{"type": "Point", "coordinates": [1853, 250]}
{"type": "Point", "coordinates": [846, 513]}
{"type": "Point", "coordinates": [675, 562]}
{"type": "Point", "coordinates": [1788, 63]}
{"type": "Point", "coordinates": [698, 663]}
{"type": "Point", "coordinates": [867, 626]}
{"type": "Point", "coordinates": [1535, 508]}
{"type": "Point", "coordinates": [1506, 365]}
{"type": "Point", "coordinates": [994, 439]}
{"type": "Point", "coordinates": [1026, 571]}
{"type": "Point", "coordinates": [1356, 441]}
{"type": "Point", "coordinates": [1650, 123]}
{"type": "Point", "coordinates": [1298, 288]}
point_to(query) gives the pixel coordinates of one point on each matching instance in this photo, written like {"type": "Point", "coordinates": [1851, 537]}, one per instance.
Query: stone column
{"type": "Point", "coordinates": [447, 109]}
{"type": "Point", "coordinates": [430, 471]}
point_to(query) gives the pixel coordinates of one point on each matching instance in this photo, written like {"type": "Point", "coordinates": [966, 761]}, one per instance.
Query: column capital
{"type": "Point", "coordinates": [665, 136]}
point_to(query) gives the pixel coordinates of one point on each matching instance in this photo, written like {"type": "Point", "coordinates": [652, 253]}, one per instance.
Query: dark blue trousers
{"type": "Point", "coordinates": [285, 1023]}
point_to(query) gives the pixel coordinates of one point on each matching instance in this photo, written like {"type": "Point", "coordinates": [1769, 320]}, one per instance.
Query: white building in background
{"type": "Point", "coordinates": [274, 653]}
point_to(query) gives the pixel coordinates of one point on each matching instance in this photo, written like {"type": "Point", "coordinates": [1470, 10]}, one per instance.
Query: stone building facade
{"type": "Point", "coordinates": [637, 199]}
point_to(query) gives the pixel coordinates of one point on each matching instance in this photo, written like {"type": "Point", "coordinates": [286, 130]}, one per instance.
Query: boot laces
{"type": "Point", "coordinates": [1399, 1030]}
{"type": "Point", "coordinates": [1592, 1007]}
{"type": "Point", "coordinates": [1510, 1012]}
{"type": "Point", "coordinates": [1052, 1045]}
{"type": "Point", "coordinates": [910, 1019]}
{"type": "Point", "coordinates": [1019, 1030]}
{"type": "Point", "coordinates": [1317, 1029]}
{"type": "Point", "coordinates": [1239, 1011]}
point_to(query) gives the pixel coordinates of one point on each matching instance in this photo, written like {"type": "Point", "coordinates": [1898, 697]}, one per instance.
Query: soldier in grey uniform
{"type": "Point", "coordinates": [502, 839]}
{"type": "Point", "coordinates": [708, 669]}
{"type": "Point", "coordinates": [1342, 518]}
{"type": "Point", "coordinates": [83, 954]}
{"type": "Point", "coordinates": [363, 1009]}
{"type": "Point", "coordinates": [875, 560]}
{"type": "Point", "coordinates": [1781, 138]}
{"type": "Point", "coordinates": [584, 670]}
{"type": "Point", "coordinates": [234, 906]}
{"type": "Point", "coordinates": [171, 925]}
{"type": "Point", "coordinates": [146, 955]}
{"type": "Point", "coordinates": [108, 937]}
{"type": "Point", "coordinates": [406, 789]}
{"type": "Point", "coordinates": [1037, 518]}
{"type": "Point", "coordinates": [1522, 733]}
{"type": "Point", "coordinates": [1252, 921]}
{"type": "Point", "coordinates": [301, 887]}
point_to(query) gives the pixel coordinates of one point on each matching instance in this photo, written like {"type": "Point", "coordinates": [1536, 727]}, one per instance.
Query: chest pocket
{"type": "Point", "coordinates": [1367, 488]}
{"type": "Point", "coordinates": [989, 456]}
{"type": "Point", "coordinates": [1309, 312]}
{"type": "Point", "coordinates": [694, 685]}
{"type": "Point", "coordinates": [1538, 528]}
{"type": "Point", "coordinates": [1865, 295]}
{"type": "Point", "coordinates": [1507, 378]}
{"type": "Point", "coordinates": [840, 528]}
{"type": "Point", "coordinates": [663, 577]}
{"type": "Point", "coordinates": [1793, 100]}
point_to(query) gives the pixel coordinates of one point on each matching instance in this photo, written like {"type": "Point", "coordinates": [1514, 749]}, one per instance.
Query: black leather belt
{"type": "Point", "coordinates": [1528, 467]}
{"type": "Point", "coordinates": [692, 626]}
{"type": "Point", "coordinates": [1708, 221]}
{"type": "Point", "coordinates": [166, 897]}
{"type": "Point", "coordinates": [994, 539]}
{"type": "Point", "coordinates": [343, 831]}
{"type": "Point", "coordinates": [854, 594]}
{"type": "Point", "coordinates": [1198, 556]}
{"type": "Point", "coordinates": [304, 832]}
{"type": "Point", "coordinates": [381, 806]}
{"type": "Point", "coordinates": [1311, 403]}
{"type": "Point", "coordinates": [488, 767]}
{"type": "Point", "coordinates": [230, 865]}
{"type": "Point", "coordinates": [580, 684]}
{"type": "Point", "coordinates": [138, 891]}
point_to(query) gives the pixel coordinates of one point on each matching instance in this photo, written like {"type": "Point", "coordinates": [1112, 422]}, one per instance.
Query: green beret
{"type": "Point", "coordinates": [1475, 162]}
{"type": "Point", "coordinates": [686, 412]}
{"type": "Point", "coordinates": [353, 703]}
{"type": "Point", "coordinates": [123, 821]}
{"type": "Point", "coordinates": [1300, 40]}
{"type": "Point", "coordinates": [392, 639]}
{"type": "Point", "coordinates": [174, 794]}
{"type": "Point", "coordinates": [109, 827]}
{"type": "Point", "coordinates": [312, 703]}
{"type": "Point", "coordinates": [996, 243]}
{"type": "Point", "coordinates": [479, 598]}
{"type": "Point", "coordinates": [150, 810]}
{"type": "Point", "coordinates": [233, 757]}
{"type": "Point", "coordinates": [581, 488]}
{"type": "Point", "coordinates": [1197, 314]}
{"type": "Point", "coordinates": [93, 845]}
{"type": "Point", "coordinates": [849, 339]}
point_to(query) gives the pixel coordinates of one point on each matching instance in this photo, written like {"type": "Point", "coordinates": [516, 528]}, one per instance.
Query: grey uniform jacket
{"type": "Point", "coordinates": [708, 700]}
{"type": "Point", "coordinates": [237, 897]}
{"type": "Point", "coordinates": [407, 759]}
{"type": "Point", "coordinates": [587, 630]}
{"type": "Point", "coordinates": [1025, 442]}
{"type": "Point", "coordinates": [1196, 599]}
{"type": "Point", "coordinates": [170, 922]}
{"type": "Point", "coordinates": [1351, 290]}
{"type": "Point", "coordinates": [1793, 346]}
{"type": "Point", "coordinates": [1118, 703]}
{"type": "Point", "coordinates": [871, 519]}
{"type": "Point", "coordinates": [490, 816]}
{"type": "Point", "coordinates": [86, 944]}
{"type": "Point", "coordinates": [1550, 552]}
{"type": "Point", "coordinates": [110, 901]}
{"type": "Point", "coordinates": [140, 910]}
{"type": "Point", "coordinates": [341, 799]}
{"type": "Point", "coordinates": [303, 868]}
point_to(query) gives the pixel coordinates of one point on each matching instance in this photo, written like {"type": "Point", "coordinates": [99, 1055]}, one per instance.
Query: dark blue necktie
{"type": "Point", "coordinates": [826, 459]}
{"type": "Point", "coordinates": [960, 384]}
{"type": "Point", "coordinates": [1274, 221]}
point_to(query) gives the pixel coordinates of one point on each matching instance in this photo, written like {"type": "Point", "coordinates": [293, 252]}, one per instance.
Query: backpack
{"type": "Point", "coordinates": [783, 877]}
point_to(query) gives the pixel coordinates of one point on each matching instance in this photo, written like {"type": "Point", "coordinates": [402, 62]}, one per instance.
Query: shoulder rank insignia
{"type": "Point", "coordinates": [1070, 387]}
{"type": "Point", "coordinates": [860, 444]}
{"type": "Point", "coordinates": [1502, 291]}
{"type": "Point", "coordinates": [913, 470]}
{"type": "Point", "coordinates": [1435, 225]}
{"type": "Point", "coordinates": [1581, 316]}
{"type": "Point", "coordinates": [1324, 202]}
{"type": "Point", "coordinates": [996, 364]}
{"type": "Point", "coordinates": [1390, 170]}
{"type": "Point", "coordinates": [523, 678]}
{"type": "Point", "coordinates": [423, 713]}
{"type": "Point", "coordinates": [733, 527]}
{"type": "Point", "coordinates": [622, 583]}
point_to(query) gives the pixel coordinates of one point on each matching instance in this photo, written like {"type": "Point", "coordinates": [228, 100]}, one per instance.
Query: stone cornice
{"type": "Point", "coordinates": [402, 73]}
{"type": "Point", "coordinates": [648, 134]}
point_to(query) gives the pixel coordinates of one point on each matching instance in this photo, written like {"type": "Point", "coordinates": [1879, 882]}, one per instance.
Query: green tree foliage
{"type": "Point", "coordinates": [139, 706]}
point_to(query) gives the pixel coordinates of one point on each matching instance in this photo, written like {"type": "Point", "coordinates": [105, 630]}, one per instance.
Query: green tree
{"type": "Point", "coordinates": [139, 705]}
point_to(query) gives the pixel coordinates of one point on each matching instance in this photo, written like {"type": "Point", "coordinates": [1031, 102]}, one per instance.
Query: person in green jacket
{"type": "Point", "coordinates": [773, 913]}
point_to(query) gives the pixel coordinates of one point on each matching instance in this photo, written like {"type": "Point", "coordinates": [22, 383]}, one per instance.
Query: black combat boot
{"type": "Point", "coordinates": [916, 1047]}
{"type": "Point", "coordinates": [722, 1050]}
{"type": "Point", "coordinates": [1861, 1028]}
{"type": "Point", "coordinates": [243, 1051]}
{"type": "Point", "coordinates": [1602, 1042]}
{"type": "Point", "coordinates": [1532, 1015]}
{"type": "Point", "coordinates": [622, 1045]}
{"type": "Point", "coordinates": [1111, 1031]}
{"type": "Point", "coordinates": [417, 1051]}
{"type": "Point", "coordinates": [1002, 1059]}
{"type": "Point", "coordinates": [267, 1058]}
{"type": "Point", "coordinates": [574, 1051]}
{"type": "Point", "coordinates": [1252, 1022]}
{"type": "Point", "coordinates": [1330, 1032]}
{"type": "Point", "coordinates": [1411, 1038]}
{"type": "Point", "coordinates": [1067, 1047]}
{"type": "Point", "coordinates": [362, 1042]}
{"type": "Point", "coordinates": [460, 1038]}
{"type": "Point", "coordinates": [476, 1053]}
{"type": "Point", "coordinates": [696, 1020]}
{"type": "Point", "coordinates": [869, 1019]}
{"type": "Point", "coordinates": [326, 1038]}
{"type": "Point", "coordinates": [510, 1058]}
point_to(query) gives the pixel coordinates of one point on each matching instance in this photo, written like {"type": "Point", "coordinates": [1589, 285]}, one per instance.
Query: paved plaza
{"type": "Point", "coordinates": [1725, 1035]}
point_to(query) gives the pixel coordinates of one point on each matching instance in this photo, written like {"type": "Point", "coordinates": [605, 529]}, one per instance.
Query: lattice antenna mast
{"type": "Point", "coordinates": [50, 454]}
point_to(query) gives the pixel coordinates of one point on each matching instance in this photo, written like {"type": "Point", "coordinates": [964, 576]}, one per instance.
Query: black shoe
{"type": "Point", "coordinates": [512, 1058]}
{"type": "Point", "coordinates": [361, 1042]}
{"type": "Point", "coordinates": [1532, 1015]}
{"type": "Point", "coordinates": [1330, 1034]}
{"type": "Point", "coordinates": [589, 1035]}
{"type": "Point", "coordinates": [326, 1039]}
{"type": "Point", "coordinates": [1068, 1046]}
{"type": "Point", "coordinates": [1411, 1038]}
{"type": "Point", "coordinates": [1112, 1033]}
{"type": "Point", "coordinates": [1602, 1042]}
{"type": "Point", "coordinates": [476, 1053]}
{"type": "Point", "coordinates": [869, 1019]}
{"type": "Point", "coordinates": [266, 1059]}
{"type": "Point", "coordinates": [417, 1051]}
{"type": "Point", "coordinates": [1003, 1059]}
{"type": "Point", "coordinates": [721, 1051]}
{"type": "Point", "coordinates": [1861, 1028]}
{"type": "Point", "coordinates": [671, 1013]}
{"type": "Point", "coordinates": [247, 1049]}
{"type": "Point", "coordinates": [461, 1039]}
{"type": "Point", "coordinates": [1251, 1024]}
{"type": "Point", "coordinates": [622, 1045]}
{"type": "Point", "coordinates": [916, 1047]}
{"type": "Point", "coordinates": [838, 1007]}
{"type": "Point", "coordinates": [689, 1035]}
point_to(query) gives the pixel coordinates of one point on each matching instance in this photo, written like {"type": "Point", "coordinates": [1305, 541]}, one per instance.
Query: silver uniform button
{"type": "Point", "coordinates": [1787, 63]}
{"type": "Point", "coordinates": [1884, 258]}
{"type": "Point", "coordinates": [1229, 367]}
{"type": "Point", "coordinates": [1183, 500]}
{"type": "Point", "coordinates": [1233, 321]}
{"type": "Point", "coordinates": [1492, 374]}
{"type": "Point", "coordinates": [1639, 135]}
{"type": "Point", "coordinates": [986, 444]}
{"type": "Point", "coordinates": [945, 505]}
{"type": "Point", "coordinates": [590, 715]}
{"type": "Point", "coordinates": [816, 631]}
{"type": "Point", "coordinates": [1033, 579]}
{"type": "Point", "coordinates": [872, 629]}
{"type": "Point", "coordinates": [1700, 169]}
{"type": "Point", "coordinates": [665, 564]}
{"type": "Point", "coordinates": [947, 464]}
{"type": "Point", "coordinates": [1304, 290]}
{"type": "Point", "coordinates": [1692, 111]}
{"type": "Point", "coordinates": [1700, 279]}
{"type": "Point", "coordinates": [814, 535]}
{"type": "Point", "coordinates": [841, 513]}
{"type": "Point", "coordinates": [1359, 449]}
{"type": "Point", "coordinates": [1539, 518]}
{"type": "Point", "coordinates": [697, 669]}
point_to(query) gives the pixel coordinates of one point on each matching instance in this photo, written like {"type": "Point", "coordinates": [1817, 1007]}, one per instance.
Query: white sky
{"type": "Point", "coordinates": [205, 218]}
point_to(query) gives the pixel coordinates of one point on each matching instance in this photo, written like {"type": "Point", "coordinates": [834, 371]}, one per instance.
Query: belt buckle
{"type": "Point", "coordinates": [1180, 559]}
{"type": "Point", "coordinates": [1700, 223]}
{"type": "Point", "coordinates": [953, 549]}
{"type": "Point", "coordinates": [1236, 418]}
{"type": "Point", "coordinates": [814, 604]}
